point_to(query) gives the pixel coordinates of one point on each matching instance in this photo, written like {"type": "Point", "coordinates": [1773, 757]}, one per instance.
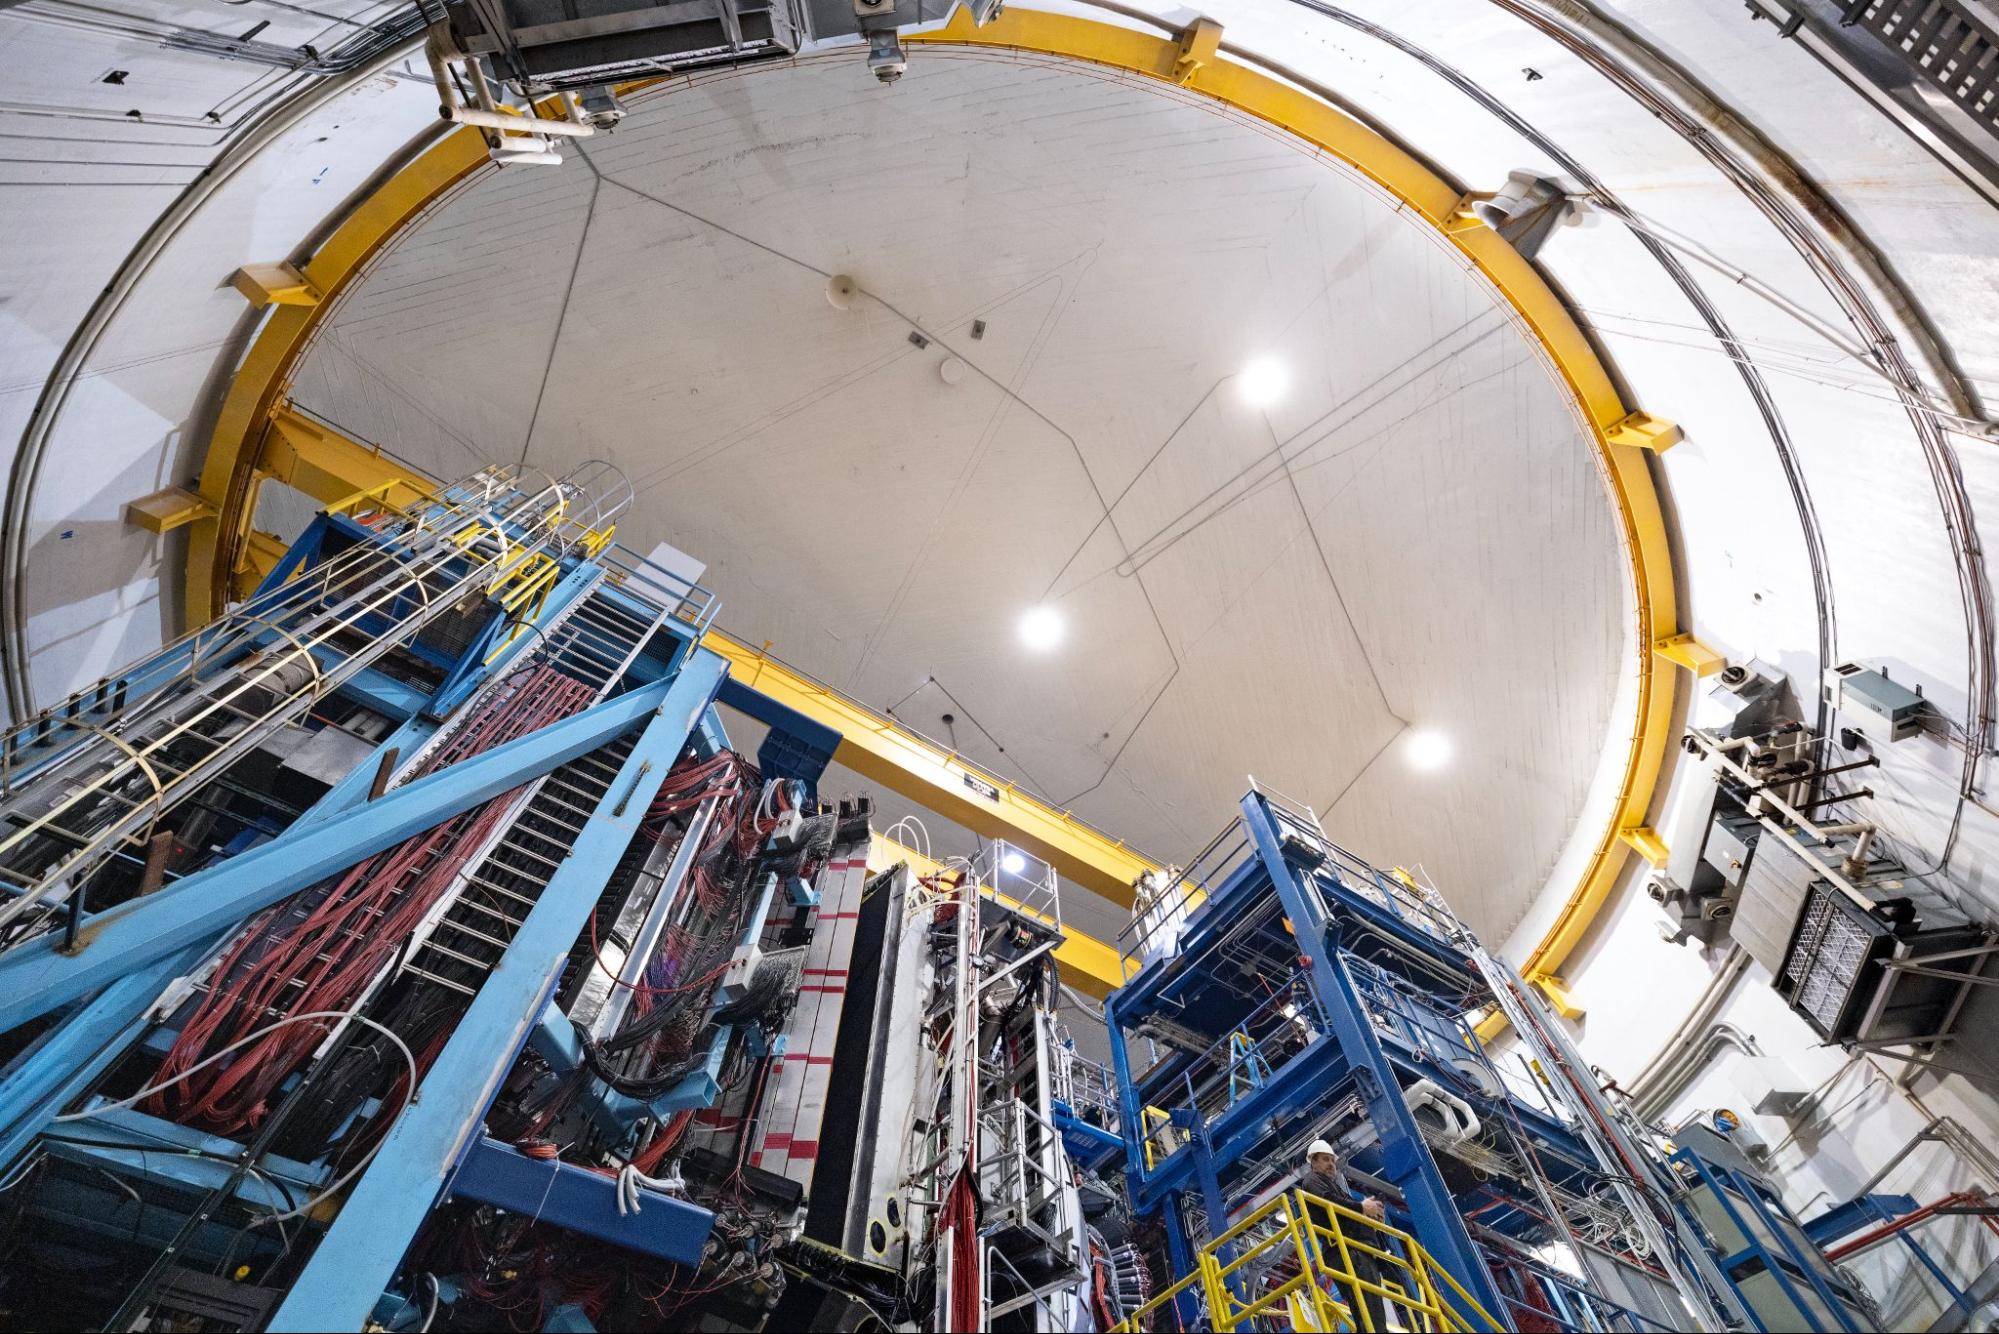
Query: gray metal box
{"type": "Point", "coordinates": [1773, 895]}
{"type": "Point", "coordinates": [1883, 709]}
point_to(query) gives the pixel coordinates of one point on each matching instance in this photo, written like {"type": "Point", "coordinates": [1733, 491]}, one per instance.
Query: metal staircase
{"type": "Point", "coordinates": [595, 645]}
{"type": "Point", "coordinates": [468, 936]}
{"type": "Point", "coordinates": [1307, 1263]}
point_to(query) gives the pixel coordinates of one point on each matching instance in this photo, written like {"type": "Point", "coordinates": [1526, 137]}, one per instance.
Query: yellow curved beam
{"type": "Point", "coordinates": [1194, 63]}
{"type": "Point", "coordinates": [218, 546]}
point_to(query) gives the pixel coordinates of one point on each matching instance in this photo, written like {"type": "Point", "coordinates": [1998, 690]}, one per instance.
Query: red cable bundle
{"type": "Point", "coordinates": [327, 961]}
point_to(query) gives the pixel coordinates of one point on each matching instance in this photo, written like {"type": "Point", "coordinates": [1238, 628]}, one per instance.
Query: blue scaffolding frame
{"type": "Point", "coordinates": [1339, 987]}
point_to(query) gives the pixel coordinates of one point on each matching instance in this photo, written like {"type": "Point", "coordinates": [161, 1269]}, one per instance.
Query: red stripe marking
{"type": "Point", "coordinates": [840, 990]}
{"type": "Point", "coordinates": [804, 1148]}
{"type": "Point", "coordinates": [826, 972]}
{"type": "Point", "coordinates": [837, 916]}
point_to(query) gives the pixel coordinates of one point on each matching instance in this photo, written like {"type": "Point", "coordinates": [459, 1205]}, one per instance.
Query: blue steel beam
{"type": "Point", "coordinates": [37, 977]}
{"type": "Point", "coordinates": [1405, 1158]}
{"type": "Point", "coordinates": [582, 1201]}
{"type": "Point", "coordinates": [1843, 1220]}
{"type": "Point", "coordinates": [795, 746]}
{"type": "Point", "coordinates": [355, 1262]}
{"type": "Point", "coordinates": [68, 1059]}
{"type": "Point", "coordinates": [138, 1145]}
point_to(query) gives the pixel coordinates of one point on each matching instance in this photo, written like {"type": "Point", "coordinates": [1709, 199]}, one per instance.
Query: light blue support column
{"type": "Point", "coordinates": [359, 1254]}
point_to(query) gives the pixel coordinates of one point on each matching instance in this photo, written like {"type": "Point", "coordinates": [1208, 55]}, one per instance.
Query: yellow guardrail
{"type": "Point", "coordinates": [1314, 1264]}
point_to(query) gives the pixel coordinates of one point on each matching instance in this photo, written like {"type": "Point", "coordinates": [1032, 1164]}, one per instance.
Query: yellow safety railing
{"type": "Point", "coordinates": [1312, 1264]}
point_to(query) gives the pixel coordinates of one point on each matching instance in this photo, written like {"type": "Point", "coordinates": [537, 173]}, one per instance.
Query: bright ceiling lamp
{"type": "Point", "coordinates": [1013, 863]}
{"type": "Point", "coordinates": [1041, 628]}
{"type": "Point", "coordinates": [1429, 749]}
{"type": "Point", "coordinates": [1262, 382]}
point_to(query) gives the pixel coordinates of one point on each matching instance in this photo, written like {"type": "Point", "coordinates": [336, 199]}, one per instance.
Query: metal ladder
{"type": "Point", "coordinates": [468, 937]}
{"type": "Point", "coordinates": [463, 939]}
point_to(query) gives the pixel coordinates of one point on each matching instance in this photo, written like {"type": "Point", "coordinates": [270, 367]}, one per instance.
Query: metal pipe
{"type": "Point", "coordinates": [521, 124]}
{"type": "Point", "coordinates": [1775, 171]}
{"type": "Point", "coordinates": [1675, 1079]}
{"type": "Point", "coordinates": [1704, 1009]}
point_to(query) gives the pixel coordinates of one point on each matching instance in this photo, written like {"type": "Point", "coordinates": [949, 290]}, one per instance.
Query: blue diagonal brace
{"type": "Point", "coordinates": [67, 1059]}
{"type": "Point", "coordinates": [37, 977]}
{"type": "Point", "coordinates": [360, 1252]}
{"type": "Point", "coordinates": [70, 1056]}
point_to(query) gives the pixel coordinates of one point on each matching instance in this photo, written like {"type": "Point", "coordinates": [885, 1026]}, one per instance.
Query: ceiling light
{"type": "Point", "coordinates": [1429, 749]}
{"type": "Point", "coordinates": [1262, 382]}
{"type": "Point", "coordinates": [1013, 863]}
{"type": "Point", "coordinates": [1041, 628]}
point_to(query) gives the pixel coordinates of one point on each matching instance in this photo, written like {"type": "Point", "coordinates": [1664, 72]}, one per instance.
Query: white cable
{"type": "Point", "coordinates": [409, 1097]}
{"type": "Point", "coordinates": [22, 1171]}
{"type": "Point", "coordinates": [630, 1179]}
{"type": "Point", "coordinates": [101, 1108]}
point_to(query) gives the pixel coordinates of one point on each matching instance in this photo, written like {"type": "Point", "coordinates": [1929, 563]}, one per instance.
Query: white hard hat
{"type": "Point", "coordinates": [1317, 1147]}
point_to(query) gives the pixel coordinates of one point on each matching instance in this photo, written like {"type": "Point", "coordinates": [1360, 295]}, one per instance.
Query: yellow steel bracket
{"type": "Point", "coordinates": [1557, 992]}
{"type": "Point", "coordinates": [275, 285]}
{"type": "Point", "coordinates": [164, 511]}
{"type": "Point", "coordinates": [1199, 43]}
{"type": "Point", "coordinates": [1642, 840]}
{"type": "Point", "coordinates": [1643, 431]}
{"type": "Point", "coordinates": [1688, 652]}
{"type": "Point", "coordinates": [1463, 216]}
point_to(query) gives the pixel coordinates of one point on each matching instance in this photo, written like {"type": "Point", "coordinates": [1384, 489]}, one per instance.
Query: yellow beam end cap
{"type": "Point", "coordinates": [1641, 430]}
{"type": "Point", "coordinates": [1199, 42]}
{"type": "Point", "coordinates": [1690, 653]}
{"type": "Point", "coordinates": [1557, 992]}
{"type": "Point", "coordinates": [274, 285]}
{"type": "Point", "coordinates": [1647, 844]}
{"type": "Point", "coordinates": [164, 511]}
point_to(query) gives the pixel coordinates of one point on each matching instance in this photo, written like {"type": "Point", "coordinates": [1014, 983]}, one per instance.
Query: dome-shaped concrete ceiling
{"type": "Point", "coordinates": [1413, 536]}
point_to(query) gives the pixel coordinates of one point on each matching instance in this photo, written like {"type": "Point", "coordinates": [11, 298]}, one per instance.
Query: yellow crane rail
{"type": "Point", "coordinates": [939, 780]}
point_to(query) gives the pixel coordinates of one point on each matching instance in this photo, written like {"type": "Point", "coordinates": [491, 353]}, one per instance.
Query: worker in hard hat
{"type": "Point", "coordinates": [1324, 1177]}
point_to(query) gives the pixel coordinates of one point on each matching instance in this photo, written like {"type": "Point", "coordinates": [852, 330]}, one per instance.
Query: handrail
{"type": "Point", "coordinates": [1329, 1289]}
